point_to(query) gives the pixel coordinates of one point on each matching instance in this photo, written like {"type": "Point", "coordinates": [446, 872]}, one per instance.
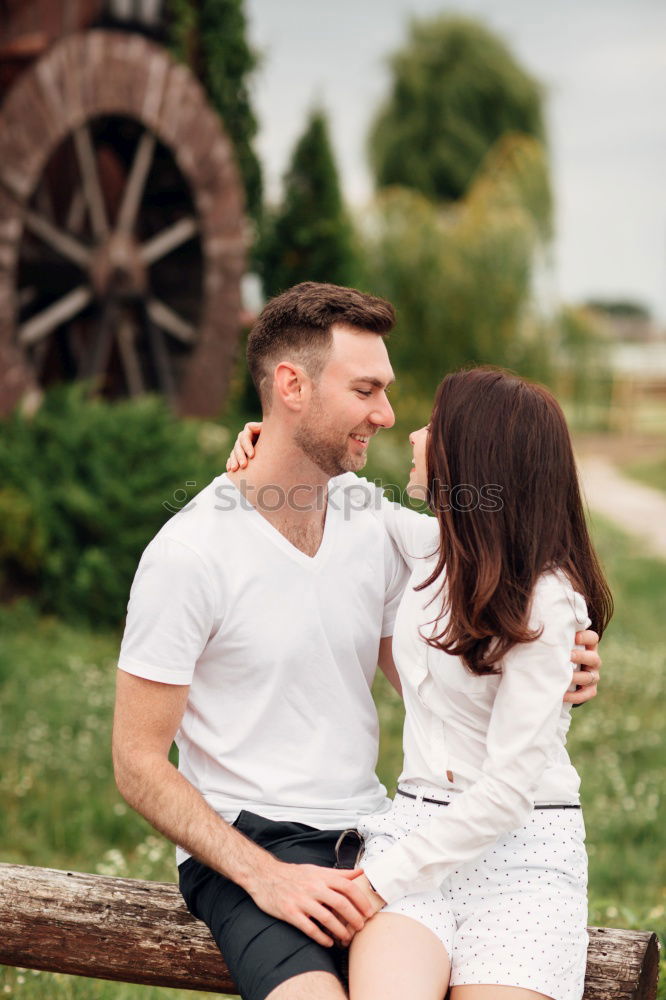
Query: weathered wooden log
{"type": "Point", "coordinates": [106, 928]}
{"type": "Point", "coordinates": [140, 932]}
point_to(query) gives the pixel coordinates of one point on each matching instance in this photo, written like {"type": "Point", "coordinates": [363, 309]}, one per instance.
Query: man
{"type": "Point", "coordinates": [256, 620]}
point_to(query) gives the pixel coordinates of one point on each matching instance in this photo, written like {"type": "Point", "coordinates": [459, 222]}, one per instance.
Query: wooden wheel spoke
{"type": "Point", "coordinates": [160, 353]}
{"type": "Point", "coordinates": [170, 238]}
{"type": "Point", "coordinates": [136, 181]}
{"type": "Point", "coordinates": [85, 152]}
{"type": "Point", "coordinates": [170, 321]}
{"type": "Point", "coordinates": [100, 347]}
{"type": "Point", "coordinates": [125, 337]}
{"type": "Point", "coordinates": [58, 312]}
{"type": "Point", "coordinates": [58, 240]}
{"type": "Point", "coordinates": [76, 211]}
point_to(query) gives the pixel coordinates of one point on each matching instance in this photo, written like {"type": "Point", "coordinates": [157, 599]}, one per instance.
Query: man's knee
{"type": "Point", "coordinates": [309, 986]}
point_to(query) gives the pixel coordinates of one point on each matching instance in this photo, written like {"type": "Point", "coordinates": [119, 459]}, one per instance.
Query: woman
{"type": "Point", "coordinates": [479, 869]}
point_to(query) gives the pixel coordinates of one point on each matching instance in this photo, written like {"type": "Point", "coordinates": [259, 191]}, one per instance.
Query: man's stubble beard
{"type": "Point", "coordinates": [328, 452]}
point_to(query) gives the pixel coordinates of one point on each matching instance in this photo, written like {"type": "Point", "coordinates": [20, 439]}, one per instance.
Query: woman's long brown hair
{"type": "Point", "coordinates": [503, 485]}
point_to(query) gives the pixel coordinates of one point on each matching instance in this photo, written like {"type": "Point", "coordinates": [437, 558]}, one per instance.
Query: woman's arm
{"type": "Point", "coordinates": [522, 730]}
{"type": "Point", "coordinates": [414, 534]}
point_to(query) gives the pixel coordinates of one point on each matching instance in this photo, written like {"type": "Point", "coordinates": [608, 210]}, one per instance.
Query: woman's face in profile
{"type": "Point", "coordinates": [417, 487]}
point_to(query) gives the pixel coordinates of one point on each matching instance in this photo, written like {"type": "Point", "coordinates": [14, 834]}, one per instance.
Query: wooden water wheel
{"type": "Point", "coordinates": [121, 227]}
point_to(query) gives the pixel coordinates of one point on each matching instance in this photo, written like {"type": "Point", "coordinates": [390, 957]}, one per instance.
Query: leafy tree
{"type": "Point", "coordinates": [310, 237]}
{"type": "Point", "coordinates": [456, 90]}
{"type": "Point", "coordinates": [460, 276]}
{"type": "Point", "coordinates": [210, 36]}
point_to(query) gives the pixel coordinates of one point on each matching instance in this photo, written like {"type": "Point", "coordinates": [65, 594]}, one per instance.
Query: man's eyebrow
{"type": "Point", "coordinates": [373, 380]}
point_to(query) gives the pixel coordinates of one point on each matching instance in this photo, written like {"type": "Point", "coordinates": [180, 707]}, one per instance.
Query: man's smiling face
{"type": "Point", "coordinates": [349, 402]}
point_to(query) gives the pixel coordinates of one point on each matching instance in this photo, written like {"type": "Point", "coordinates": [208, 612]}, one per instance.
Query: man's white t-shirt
{"type": "Point", "coordinates": [279, 649]}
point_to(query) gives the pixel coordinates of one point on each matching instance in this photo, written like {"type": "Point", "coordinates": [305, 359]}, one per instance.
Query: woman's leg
{"type": "Point", "coordinates": [493, 993]}
{"type": "Point", "coordinates": [396, 956]}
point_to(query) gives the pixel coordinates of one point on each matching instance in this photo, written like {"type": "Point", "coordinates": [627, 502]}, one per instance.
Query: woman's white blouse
{"type": "Point", "coordinates": [501, 737]}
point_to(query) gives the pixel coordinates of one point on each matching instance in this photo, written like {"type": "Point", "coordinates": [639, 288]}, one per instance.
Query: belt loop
{"type": "Point", "coordinates": [419, 796]}
{"type": "Point", "coordinates": [347, 855]}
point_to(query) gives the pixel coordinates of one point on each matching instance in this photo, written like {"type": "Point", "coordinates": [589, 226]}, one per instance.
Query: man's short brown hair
{"type": "Point", "coordinates": [296, 326]}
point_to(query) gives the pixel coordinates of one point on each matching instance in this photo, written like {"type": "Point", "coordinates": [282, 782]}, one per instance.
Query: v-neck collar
{"type": "Point", "coordinates": [277, 538]}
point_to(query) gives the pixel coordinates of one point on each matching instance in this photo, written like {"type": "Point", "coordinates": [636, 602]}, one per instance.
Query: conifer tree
{"type": "Point", "coordinates": [310, 237]}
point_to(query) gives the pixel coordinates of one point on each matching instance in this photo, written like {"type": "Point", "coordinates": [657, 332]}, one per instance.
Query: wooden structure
{"type": "Point", "coordinates": [141, 932]}
{"type": "Point", "coordinates": [121, 210]}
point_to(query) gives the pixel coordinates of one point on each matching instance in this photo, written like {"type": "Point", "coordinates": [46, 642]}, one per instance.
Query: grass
{"type": "Point", "coordinates": [60, 805]}
{"type": "Point", "coordinates": [61, 809]}
{"type": "Point", "coordinates": [652, 473]}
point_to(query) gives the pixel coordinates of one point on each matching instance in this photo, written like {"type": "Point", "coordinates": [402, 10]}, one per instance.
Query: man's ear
{"type": "Point", "coordinates": [291, 385]}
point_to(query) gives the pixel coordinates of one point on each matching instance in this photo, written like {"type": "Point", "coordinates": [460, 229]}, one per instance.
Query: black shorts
{"type": "Point", "coordinates": [261, 951]}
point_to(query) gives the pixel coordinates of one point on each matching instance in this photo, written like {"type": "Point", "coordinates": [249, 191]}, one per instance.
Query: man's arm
{"type": "Point", "coordinates": [586, 677]}
{"type": "Point", "coordinates": [147, 716]}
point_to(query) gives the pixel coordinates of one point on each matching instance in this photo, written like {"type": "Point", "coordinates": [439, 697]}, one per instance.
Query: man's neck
{"type": "Point", "coordinates": [281, 481]}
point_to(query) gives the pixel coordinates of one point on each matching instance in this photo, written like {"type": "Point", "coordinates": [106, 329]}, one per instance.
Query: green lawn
{"type": "Point", "coordinates": [61, 809]}
{"type": "Point", "coordinates": [652, 473]}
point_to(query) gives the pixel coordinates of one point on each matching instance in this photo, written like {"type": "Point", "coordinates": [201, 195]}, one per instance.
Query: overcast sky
{"type": "Point", "coordinates": [603, 63]}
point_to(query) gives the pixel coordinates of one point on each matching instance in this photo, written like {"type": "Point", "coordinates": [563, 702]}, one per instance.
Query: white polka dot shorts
{"type": "Point", "coordinates": [515, 916]}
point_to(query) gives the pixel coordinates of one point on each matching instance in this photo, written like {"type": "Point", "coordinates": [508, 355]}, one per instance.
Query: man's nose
{"type": "Point", "coordinates": [383, 414]}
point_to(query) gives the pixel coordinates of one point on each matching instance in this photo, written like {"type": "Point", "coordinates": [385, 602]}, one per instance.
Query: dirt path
{"type": "Point", "coordinates": [637, 509]}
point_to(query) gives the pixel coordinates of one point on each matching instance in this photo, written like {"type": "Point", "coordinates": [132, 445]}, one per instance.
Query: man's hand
{"type": "Point", "coordinates": [308, 895]}
{"type": "Point", "coordinates": [589, 662]}
{"type": "Point", "coordinates": [243, 449]}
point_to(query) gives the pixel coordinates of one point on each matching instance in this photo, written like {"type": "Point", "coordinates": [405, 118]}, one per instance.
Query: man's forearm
{"type": "Point", "coordinates": [315, 899]}
{"type": "Point", "coordinates": [322, 902]}
{"type": "Point", "coordinates": [156, 790]}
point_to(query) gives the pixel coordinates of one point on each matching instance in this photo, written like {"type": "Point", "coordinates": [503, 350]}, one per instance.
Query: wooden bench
{"type": "Point", "coordinates": [140, 932]}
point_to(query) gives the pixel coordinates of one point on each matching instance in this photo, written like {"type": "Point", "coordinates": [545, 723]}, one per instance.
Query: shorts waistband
{"type": "Point", "coordinates": [442, 802]}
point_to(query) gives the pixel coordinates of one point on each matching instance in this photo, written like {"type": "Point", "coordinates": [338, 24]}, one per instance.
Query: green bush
{"type": "Point", "coordinates": [83, 487]}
